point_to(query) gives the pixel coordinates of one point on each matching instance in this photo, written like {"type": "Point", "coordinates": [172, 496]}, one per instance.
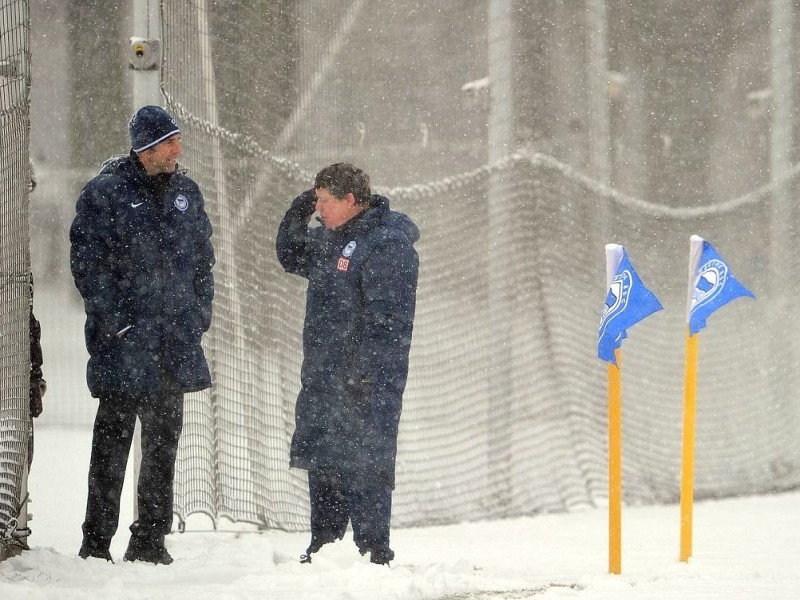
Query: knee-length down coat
{"type": "Point", "coordinates": [141, 258]}
{"type": "Point", "coordinates": [360, 302]}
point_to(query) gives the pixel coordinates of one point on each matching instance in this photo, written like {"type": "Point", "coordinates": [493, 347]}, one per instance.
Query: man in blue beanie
{"type": "Point", "coordinates": [141, 258]}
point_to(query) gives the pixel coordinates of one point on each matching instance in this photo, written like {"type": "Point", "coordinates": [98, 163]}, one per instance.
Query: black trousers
{"type": "Point", "coordinates": [338, 497]}
{"type": "Point", "coordinates": [161, 416]}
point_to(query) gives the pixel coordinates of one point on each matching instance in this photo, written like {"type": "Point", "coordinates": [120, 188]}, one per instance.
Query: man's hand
{"type": "Point", "coordinates": [307, 202]}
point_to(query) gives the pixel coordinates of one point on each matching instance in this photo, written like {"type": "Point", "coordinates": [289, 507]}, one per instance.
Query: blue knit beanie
{"type": "Point", "coordinates": [149, 126]}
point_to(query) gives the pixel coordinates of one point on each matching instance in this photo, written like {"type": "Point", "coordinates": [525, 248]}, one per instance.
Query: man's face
{"type": "Point", "coordinates": [163, 157]}
{"type": "Point", "coordinates": [335, 212]}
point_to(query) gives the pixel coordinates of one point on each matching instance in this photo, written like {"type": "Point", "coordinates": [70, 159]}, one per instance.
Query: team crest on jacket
{"type": "Point", "coordinates": [343, 264]}
{"type": "Point", "coordinates": [181, 202]}
{"type": "Point", "coordinates": [349, 249]}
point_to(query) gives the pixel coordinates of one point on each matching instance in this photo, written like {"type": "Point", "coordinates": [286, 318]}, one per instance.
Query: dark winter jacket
{"type": "Point", "coordinates": [37, 385]}
{"type": "Point", "coordinates": [362, 280]}
{"type": "Point", "coordinates": [141, 259]}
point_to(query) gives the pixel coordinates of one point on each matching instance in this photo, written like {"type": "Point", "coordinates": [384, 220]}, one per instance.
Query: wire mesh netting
{"type": "Point", "coordinates": [15, 179]}
{"type": "Point", "coordinates": [505, 409]}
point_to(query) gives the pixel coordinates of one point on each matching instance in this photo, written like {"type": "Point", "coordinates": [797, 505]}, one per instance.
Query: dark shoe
{"type": "Point", "coordinates": [146, 546]}
{"type": "Point", "coordinates": [381, 556]}
{"type": "Point", "coordinates": [317, 542]}
{"type": "Point", "coordinates": [88, 551]}
{"type": "Point", "coordinates": [157, 555]}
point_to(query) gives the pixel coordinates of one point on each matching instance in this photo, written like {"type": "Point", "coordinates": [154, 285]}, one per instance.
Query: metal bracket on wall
{"type": "Point", "coordinates": [145, 55]}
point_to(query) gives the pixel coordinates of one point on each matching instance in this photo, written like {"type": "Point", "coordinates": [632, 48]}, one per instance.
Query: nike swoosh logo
{"type": "Point", "coordinates": [136, 205]}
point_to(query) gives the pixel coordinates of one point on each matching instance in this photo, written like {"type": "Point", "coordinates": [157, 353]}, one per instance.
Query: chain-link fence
{"type": "Point", "coordinates": [505, 408]}
{"type": "Point", "coordinates": [15, 290]}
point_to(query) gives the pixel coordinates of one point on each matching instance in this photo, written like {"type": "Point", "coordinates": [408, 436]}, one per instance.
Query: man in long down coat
{"type": "Point", "coordinates": [141, 259]}
{"type": "Point", "coordinates": [361, 268]}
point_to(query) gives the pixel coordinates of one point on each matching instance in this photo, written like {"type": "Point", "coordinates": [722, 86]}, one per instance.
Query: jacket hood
{"type": "Point", "coordinates": [113, 165]}
{"type": "Point", "coordinates": [391, 218]}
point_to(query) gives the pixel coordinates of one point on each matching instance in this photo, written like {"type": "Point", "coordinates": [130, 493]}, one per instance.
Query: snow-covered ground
{"type": "Point", "coordinates": [744, 549]}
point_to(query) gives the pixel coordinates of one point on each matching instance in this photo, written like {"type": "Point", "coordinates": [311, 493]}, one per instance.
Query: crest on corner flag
{"type": "Point", "coordinates": [714, 287]}
{"type": "Point", "coordinates": [628, 301]}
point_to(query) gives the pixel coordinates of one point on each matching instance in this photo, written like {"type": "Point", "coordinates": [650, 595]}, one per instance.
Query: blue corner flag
{"type": "Point", "coordinates": [628, 302]}
{"type": "Point", "coordinates": [714, 287]}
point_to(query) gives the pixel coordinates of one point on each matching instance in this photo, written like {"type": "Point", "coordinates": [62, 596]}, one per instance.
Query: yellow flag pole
{"type": "Point", "coordinates": [615, 465]}
{"type": "Point", "coordinates": [687, 470]}
{"type": "Point", "coordinates": [614, 254]}
{"type": "Point", "coordinates": [696, 244]}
